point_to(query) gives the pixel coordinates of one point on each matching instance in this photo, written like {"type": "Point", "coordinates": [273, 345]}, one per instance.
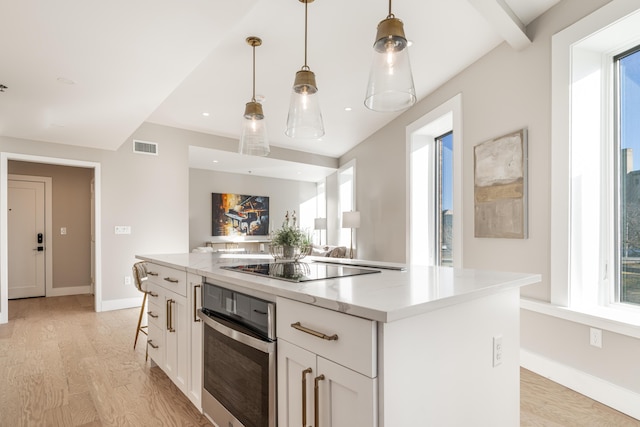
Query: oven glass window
{"type": "Point", "coordinates": [238, 377]}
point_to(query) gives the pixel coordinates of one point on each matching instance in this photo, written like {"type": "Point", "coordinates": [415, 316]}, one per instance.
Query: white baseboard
{"type": "Point", "coordinates": [618, 398]}
{"type": "Point", "coordinates": [119, 304]}
{"type": "Point", "coordinates": [71, 290]}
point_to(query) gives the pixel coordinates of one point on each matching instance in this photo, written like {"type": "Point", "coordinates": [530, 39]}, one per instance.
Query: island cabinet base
{"type": "Point", "coordinates": [437, 368]}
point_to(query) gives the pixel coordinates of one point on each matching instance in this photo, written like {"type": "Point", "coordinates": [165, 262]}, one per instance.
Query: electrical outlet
{"type": "Point", "coordinates": [595, 337]}
{"type": "Point", "coordinates": [497, 350]}
{"type": "Point", "coordinates": [127, 280]}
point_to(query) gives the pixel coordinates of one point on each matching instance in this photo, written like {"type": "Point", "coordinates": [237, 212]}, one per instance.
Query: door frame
{"type": "Point", "coordinates": [48, 228]}
{"type": "Point", "coordinates": [97, 261]}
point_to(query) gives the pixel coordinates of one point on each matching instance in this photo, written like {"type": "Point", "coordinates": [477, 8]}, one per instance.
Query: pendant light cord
{"type": "Point", "coordinates": [390, 14]}
{"type": "Point", "coordinates": [306, 4]}
{"type": "Point", "coordinates": [253, 98]}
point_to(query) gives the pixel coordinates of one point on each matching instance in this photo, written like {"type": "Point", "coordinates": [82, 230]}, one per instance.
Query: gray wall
{"type": "Point", "coordinates": [284, 195]}
{"type": "Point", "coordinates": [503, 91]}
{"type": "Point", "coordinates": [145, 192]}
{"type": "Point", "coordinates": [71, 206]}
{"type": "Point", "coordinates": [151, 194]}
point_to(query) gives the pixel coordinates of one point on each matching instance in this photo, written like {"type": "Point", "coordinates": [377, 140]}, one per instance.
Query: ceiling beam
{"type": "Point", "coordinates": [506, 23]}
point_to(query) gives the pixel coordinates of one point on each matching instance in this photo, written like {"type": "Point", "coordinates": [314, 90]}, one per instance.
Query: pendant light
{"type": "Point", "coordinates": [254, 140]}
{"type": "Point", "coordinates": [304, 119]}
{"type": "Point", "coordinates": [390, 81]}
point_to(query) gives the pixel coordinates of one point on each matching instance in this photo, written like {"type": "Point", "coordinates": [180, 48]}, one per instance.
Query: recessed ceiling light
{"type": "Point", "coordinates": [409, 43]}
{"type": "Point", "coordinates": [66, 81]}
{"type": "Point", "coordinates": [205, 114]}
{"type": "Point", "coordinates": [215, 161]}
{"type": "Point", "coordinates": [348, 108]}
{"type": "Point", "coordinates": [260, 98]}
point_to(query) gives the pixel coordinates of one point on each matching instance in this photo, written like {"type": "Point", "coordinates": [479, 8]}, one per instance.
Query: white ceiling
{"type": "Point", "coordinates": [89, 72]}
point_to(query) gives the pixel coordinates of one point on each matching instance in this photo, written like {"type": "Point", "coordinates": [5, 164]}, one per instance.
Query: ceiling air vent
{"type": "Point", "coordinates": [144, 147]}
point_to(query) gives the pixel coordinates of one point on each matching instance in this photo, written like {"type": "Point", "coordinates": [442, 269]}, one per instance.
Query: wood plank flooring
{"type": "Point", "coordinates": [62, 364]}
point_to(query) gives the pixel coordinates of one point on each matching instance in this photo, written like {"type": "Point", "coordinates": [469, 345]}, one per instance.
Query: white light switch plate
{"type": "Point", "coordinates": [123, 229]}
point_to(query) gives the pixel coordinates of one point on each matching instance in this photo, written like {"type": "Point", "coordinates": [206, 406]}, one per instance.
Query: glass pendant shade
{"type": "Point", "coordinates": [305, 119]}
{"type": "Point", "coordinates": [254, 140]}
{"type": "Point", "coordinates": [390, 85]}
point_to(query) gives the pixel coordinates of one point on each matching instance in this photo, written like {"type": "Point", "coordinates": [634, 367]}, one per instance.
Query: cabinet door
{"type": "Point", "coordinates": [195, 329]}
{"type": "Point", "coordinates": [176, 339]}
{"type": "Point", "coordinates": [296, 370]}
{"type": "Point", "coordinates": [346, 398]}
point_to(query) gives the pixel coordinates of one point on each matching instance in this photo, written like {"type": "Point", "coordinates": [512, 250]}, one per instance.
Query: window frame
{"type": "Point", "coordinates": [418, 134]}
{"type": "Point", "coordinates": [345, 236]}
{"type": "Point", "coordinates": [438, 170]}
{"type": "Point", "coordinates": [605, 33]}
{"type": "Point", "coordinates": [618, 221]}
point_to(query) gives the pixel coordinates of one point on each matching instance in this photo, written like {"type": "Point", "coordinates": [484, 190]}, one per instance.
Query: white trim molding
{"type": "Point", "coordinates": [119, 304]}
{"type": "Point", "coordinates": [616, 397]}
{"type": "Point", "coordinates": [69, 290]}
{"type": "Point", "coordinates": [4, 276]}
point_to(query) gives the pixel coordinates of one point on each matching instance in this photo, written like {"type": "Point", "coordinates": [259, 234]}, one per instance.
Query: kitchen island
{"type": "Point", "coordinates": [440, 347]}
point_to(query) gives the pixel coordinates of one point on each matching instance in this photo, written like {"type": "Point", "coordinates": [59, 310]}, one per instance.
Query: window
{"type": "Point", "coordinates": [444, 199]}
{"type": "Point", "coordinates": [627, 93]}
{"type": "Point", "coordinates": [593, 173]}
{"type": "Point", "coordinates": [320, 226]}
{"type": "Point", "coordinates": [346, 193]}
{"type": "Point", "coordinates": [435, 182]}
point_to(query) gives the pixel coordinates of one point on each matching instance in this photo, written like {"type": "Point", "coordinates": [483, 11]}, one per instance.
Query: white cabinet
{"type": "Point", "coordinates": [194, 383]}
{"type": "Point", "coordinates": [326, 367]}
{"type": "Point", "coordinates": [168, 314]}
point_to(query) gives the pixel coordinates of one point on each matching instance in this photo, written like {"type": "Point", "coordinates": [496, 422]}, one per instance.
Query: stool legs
{"type": "Point", "coordinates": [140, 328]}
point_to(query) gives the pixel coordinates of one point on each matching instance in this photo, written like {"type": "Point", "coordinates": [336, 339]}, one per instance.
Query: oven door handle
{"type": "Point", "coordinates": [263, 346]}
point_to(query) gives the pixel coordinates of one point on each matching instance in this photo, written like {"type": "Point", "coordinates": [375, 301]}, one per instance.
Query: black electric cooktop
{"type": "Point", "coordinates": [300, 271]}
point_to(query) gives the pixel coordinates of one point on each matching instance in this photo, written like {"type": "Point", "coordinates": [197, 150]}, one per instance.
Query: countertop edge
{"type": "Point", "coordinates": [261, 287]}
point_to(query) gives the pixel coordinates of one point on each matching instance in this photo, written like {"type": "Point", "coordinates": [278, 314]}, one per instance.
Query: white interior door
{"type": "Point", "coordinates": [26, 254]}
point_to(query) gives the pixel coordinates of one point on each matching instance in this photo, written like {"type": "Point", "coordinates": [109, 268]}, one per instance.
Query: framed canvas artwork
{"type": "Point", "coordinates": [238, 215]}
{"type": "Point", "coordinates": [500, 187]}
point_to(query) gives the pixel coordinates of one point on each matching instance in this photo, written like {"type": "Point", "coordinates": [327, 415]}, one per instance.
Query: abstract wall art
{"type": "Point", "coordinates": [500, 187]}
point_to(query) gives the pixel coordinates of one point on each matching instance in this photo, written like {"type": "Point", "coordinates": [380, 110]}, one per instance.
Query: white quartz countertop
{"type": "Point", "coordinates": [385, 297]}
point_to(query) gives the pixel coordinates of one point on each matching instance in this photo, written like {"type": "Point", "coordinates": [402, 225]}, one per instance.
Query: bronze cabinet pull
{"type": "Point", "coordinates": [151, 273]}
{"type": "Point", "coordinates": [153, 294]}
{"type": "Point", "coordinates": [195, 306]}
{"type": "Point", "coordinates": [150, 313]}
{"type": "Point", "coordinates": [170, 303]}
{"type": "Point", "coordinates": [171, 280]}
{"type": "Point", "coordinates": [316, 400]}
{"type": "Point", "coordinates": [301, 328]}
{"type": "Point", "coordinates": [150, 342]}
{"type": "Point", "coordinates": [304, 396]}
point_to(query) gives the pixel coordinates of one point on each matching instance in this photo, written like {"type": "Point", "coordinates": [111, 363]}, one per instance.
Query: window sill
{"type": "Point", "coordinates": [619, 319]}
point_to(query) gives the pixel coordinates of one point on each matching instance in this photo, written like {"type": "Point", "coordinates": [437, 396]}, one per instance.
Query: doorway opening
{"type": "Point", "coordinates": [95, 257]}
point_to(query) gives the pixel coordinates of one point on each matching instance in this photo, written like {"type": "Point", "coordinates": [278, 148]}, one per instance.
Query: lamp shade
{"type": "Point", "coordinates": [350, 219]}
{"type": "Point", "coordinates": [390, 85]}
{"type": "Point", "coordinates": [305, 119]}
{"type": "Point", "coordinates": [320, 224]}
{"type": "Point", "coordinates": [254, 140]}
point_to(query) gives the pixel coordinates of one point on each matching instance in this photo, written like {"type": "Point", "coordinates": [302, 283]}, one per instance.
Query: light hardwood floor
{"type": "Point", "coordinates": [62, 364]}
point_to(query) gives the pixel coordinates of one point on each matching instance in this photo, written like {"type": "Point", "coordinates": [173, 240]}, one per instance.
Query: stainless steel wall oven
{"type": "Point", "coordinates": [239, 358]}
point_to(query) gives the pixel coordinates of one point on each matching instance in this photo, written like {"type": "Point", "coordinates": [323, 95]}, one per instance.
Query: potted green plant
{"type": "Point", "coordinates": [290, 242]}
